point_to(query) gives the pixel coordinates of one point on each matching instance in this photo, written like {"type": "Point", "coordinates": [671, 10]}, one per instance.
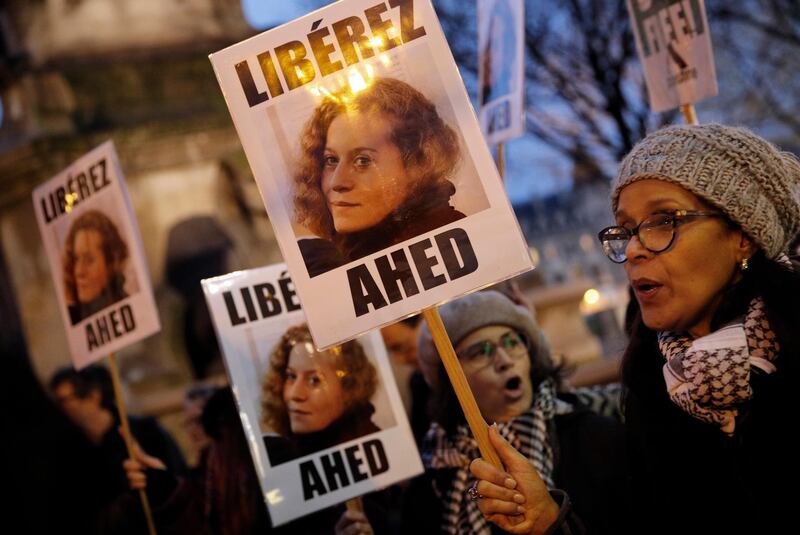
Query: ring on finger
{"type": "Point", "coordinates": [473, 493]}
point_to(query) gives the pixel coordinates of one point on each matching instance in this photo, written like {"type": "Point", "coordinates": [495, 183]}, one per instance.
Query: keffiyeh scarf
{"type": "Point", "coordinates": [528, 433]}
{"type": "Point", "coordinates": [709, 377]}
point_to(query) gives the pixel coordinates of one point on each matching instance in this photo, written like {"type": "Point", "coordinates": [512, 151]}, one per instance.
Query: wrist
{"type": "Point", "coordinates": [548, 516]}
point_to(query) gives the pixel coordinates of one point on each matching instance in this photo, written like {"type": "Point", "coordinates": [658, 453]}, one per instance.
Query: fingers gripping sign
{"type": "Point", "coordinates": [136, 465]}
{"type": "Point", "coordinates": [516, 500]}
{"type": "Point", "coordinates": [353, 522]}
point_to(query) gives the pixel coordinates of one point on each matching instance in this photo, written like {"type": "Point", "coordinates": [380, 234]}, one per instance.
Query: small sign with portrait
{"type": "Point", "coordinates": [96, 257]}
{"type": "Point", "coordinates": [674, 45]}
{"type": "Point", "coordinates": [501, 69]}
{"type": "Point", "coordinates": [322, 426]}
{"type": "Point", "coordinates": [371, 163]}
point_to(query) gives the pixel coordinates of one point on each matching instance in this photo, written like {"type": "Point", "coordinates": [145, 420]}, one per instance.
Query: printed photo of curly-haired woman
{"type": "Point", "coordinates": [374, 171]}
{"type": "Point", "coordinates": [95, 257]}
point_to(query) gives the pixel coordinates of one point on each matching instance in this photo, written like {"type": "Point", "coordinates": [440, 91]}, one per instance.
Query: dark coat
{"type": "Point", "coordinates": [589, 465]}
{"type": "Point", "coordinates": [695, 479]}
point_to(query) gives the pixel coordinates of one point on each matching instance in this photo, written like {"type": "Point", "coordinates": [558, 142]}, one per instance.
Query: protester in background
{"type": "Point", "coordinates": [316, 399]}
{"type": "Point", "coordinates": [705, 214]}
{"type": "Point", "coordinates": [401, 343]}
{"type": "Point", "coordinates": [374, 171]}
{"type": "Point", "coordinates": [94, 263]}
{"type": "Point", "coordinates": [86, 398]}
{"type": "Point", "coordinates": [194, 402]}
{"type": "Point", "coordinates": [506, 360]}
{"type": "Point", "coordinates": [225, 500]}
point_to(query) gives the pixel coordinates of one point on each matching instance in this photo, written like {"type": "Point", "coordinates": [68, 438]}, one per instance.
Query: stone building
{"type": "Point", "coordinates": [74, 73]}
{"type": "Point", "coordinates": [78, 72]}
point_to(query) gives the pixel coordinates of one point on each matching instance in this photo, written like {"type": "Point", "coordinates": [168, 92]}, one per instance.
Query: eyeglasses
{"type": "Point", "coordinates": [656, 233]}
{"type": "Point", "coordinates": [483, 353]}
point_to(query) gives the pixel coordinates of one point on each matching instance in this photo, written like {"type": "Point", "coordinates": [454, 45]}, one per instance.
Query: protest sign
{"type": "Point", "coordinates": [674, 45]}
{"type": "Point", "coordinates": [371, 164]}
{"type": "Point", "coordinates": [95, 254]}
{"type": "Point", "coordinates": [323, 427]}
{"type": "Point", "coordinates": [501, 69]}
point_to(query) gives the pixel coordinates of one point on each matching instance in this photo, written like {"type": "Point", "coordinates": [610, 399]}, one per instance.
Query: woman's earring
{"type": "Point", "coordinates": [744, 264]}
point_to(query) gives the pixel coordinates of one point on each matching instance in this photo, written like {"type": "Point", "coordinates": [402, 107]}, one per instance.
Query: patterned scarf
{"type": "Point", "coordinates": [710, 377]}
{"type": "Point", "coordinates": [528, 433]}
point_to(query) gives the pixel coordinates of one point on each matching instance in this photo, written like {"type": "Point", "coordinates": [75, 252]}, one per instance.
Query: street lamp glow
{"type": "Point", "coordinates": [591, 297]}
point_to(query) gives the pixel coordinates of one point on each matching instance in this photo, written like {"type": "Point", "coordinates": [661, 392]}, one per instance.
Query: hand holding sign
{"type": "Point", "coordinates": [96, 257]}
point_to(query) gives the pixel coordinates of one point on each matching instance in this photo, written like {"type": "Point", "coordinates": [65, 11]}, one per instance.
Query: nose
{"type": "Point", "coordinates": [298, 391]}
{"type": "Point", "coordinates": [340, 179]}
{"type": "Point", "coordinates": [502, 360]}
{"type": "Point", "coordinates": [80, 267]}
{"type": "Point", "coordinates": [635, 250]}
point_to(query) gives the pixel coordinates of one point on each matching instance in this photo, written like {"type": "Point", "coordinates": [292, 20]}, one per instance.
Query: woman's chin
{"type": "Point", "coordinates": [349, 227]}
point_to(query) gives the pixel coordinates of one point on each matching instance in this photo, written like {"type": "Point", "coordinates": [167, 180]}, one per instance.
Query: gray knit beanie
{"type": "Point", "coordinates": [752, 181]}
{"type": "Point", "coordinates": [467, 314]}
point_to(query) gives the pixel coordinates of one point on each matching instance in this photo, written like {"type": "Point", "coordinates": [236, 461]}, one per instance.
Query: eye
{"type": "Point", "coordinates": [329, 160]}
{"type": "Point", "coordinates": [658, 220]}
{"type": "Point", "coordinates": [478, 350]}
{"type": "Point", "coordinates": [290, 377]}
{"type": "Point", "coordinates": [362, 161]}
{"type": "Point", "coordinates": [315, 380]}
{"type": "Point", "coordinates": [510, 341]}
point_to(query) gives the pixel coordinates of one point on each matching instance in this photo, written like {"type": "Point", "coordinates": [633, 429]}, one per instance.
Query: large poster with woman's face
{"type": "Point", "coordinates": [95, 253]}
{"type": "Point", "coordinates": [501, 68]}
{"type": "Point", "coordinates": [322, 426]}
{"type": "Point", "coordinates": [371, 163]}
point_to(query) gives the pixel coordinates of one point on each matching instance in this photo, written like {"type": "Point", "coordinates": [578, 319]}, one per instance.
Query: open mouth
{"type": "Point", "coordinates": [513, 388]}
{"type": "Point", "coordinates": [646, 288]}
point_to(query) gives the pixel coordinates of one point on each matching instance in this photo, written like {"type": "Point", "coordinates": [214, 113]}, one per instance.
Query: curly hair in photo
{"type": "Point", "coordinates": [358, 376]}
{"type": "Point", "coordinates": [115, 251]}
{"type": "Point", "coordinates": [429, 147]}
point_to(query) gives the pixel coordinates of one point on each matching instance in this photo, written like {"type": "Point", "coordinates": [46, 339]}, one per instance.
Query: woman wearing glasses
{"type": "Point", "coordinates": [705, 215]}
{"type": "Point", "coordinates": [507, 363]}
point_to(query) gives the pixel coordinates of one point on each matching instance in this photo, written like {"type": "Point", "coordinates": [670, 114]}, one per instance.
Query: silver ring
{"type": "Point", "coordinates": [473, 493]}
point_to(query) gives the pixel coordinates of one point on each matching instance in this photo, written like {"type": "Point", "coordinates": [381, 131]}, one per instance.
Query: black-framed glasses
{"type": "Point", "coordinates": [482, 354]}
{"type": "Point", "coordinates": [656, 233]}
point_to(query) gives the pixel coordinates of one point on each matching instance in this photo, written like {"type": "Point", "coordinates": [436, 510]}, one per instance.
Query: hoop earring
{"type": "Point", "coordinates": [744, 264]}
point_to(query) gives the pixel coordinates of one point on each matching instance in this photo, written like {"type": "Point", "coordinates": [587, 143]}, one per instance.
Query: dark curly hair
{"type": "Point", "coordinates": [115, 251]}
{"type": "Point", "coordinates": [427, 145]}
{"type": "Point", "coordinates": [357, 374]}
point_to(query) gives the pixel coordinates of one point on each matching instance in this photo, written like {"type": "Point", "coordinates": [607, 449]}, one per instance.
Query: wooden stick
{"type": "Point", "coordinates": [355, 504]}
{"type": "Point", "coordinates": [126, 434]}
{"type": "Point", "coordinates": [501, 160]}
{"type": "Point", "coordinates": [459, 381]}
{"type": "Point", "coordinates": [689, 115]}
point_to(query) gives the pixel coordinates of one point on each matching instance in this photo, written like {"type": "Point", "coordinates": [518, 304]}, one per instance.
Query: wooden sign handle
{"type": "Point", "coordinates": [459, 381]}
{"type": "Point", "coordinates": [689, 114]}
{"type": "Point", "coordinates": [126, 435]}
{"type": "Point", "coordinates": [355, 504]}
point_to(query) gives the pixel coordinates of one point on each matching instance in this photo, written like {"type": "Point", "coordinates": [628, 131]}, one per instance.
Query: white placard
{"type": "Point", "coordinates": [95, 253]}
{"type": "Point", "coordinates": [371, 163]}
{"type": "Point", "coordinates": [501, 69]}
{"type": "Point", "coordinates": [674, 44]}
{"type": "Point", "coordinates": [251, 311]}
